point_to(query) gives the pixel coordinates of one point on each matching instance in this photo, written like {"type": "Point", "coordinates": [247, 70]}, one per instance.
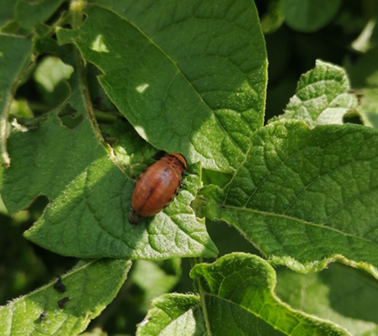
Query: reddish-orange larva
{"type": "Point", "coordinates": [157, 186]}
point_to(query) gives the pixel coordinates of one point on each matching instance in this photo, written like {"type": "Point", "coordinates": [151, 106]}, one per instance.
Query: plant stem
{"type": "Point", "coordinates": [202, 294]}
{"type": "Point", "coordinates": [76, 7]}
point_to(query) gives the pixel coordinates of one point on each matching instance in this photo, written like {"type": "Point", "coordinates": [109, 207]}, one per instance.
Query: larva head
{"type": "Point", "coordinates": [181, 159]}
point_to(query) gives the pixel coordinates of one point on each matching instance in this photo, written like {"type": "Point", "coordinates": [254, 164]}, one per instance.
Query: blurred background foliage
{"type": "Point", "coordinates": [342, 32]}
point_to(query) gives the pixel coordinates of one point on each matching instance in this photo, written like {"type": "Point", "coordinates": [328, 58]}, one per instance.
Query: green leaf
{"type": "Point", "coordinates": [90, 199]}
{"type": "Point", "coordinates": [309, 15]}
{"type": "Point", "coordinates": [21, 270]}
{"type": "Point", "coordinates": [15, 55]}
{"type": "Point", "coordinates": [90, 190]}
{"type": "Point", "coordinates": [191, 80]}
{"type": "Point", "coordinates": [173, 314]}
{"type": "Point", "coordinates": [364, 78]}
{"type": "Point", "coordinates": [323, 96]}
{"type": "Point", "coordinates": [29, 13]}
{"type": "Point", "coordinates": [273, 18]}
{"type": "Point", "coordinates": [7, 11]}
{"type": "Point", "coordinates": [340, 294]}
{"type": "Point", "coordinates": [95, 332]}
{"type": "Point", "coordinates": [237, 298]}
{"type": "Point", "coordinates": [50, 72]}
{"type": "Point", "coordinates": [155, 278]}
{"type": "Point", "coordinates": [305, 197]}
{"type": "Point", "coordinates": [368, 38]}
{"type": "Point", "coordinates": [22, 316]}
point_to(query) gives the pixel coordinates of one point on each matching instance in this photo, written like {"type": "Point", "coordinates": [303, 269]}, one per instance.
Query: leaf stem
{"type": "Point", "coordinates": [104, 117]}
{"type": "Point", "coordinates": [201, 292]}
{"type": "Point", "coordinates": [85, 96]}
{"type": "Point", "coordinates": [76, 7]}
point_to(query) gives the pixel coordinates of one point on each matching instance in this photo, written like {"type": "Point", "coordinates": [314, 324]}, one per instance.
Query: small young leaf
{"type": "Point", "coordinates": [190, 80]}
{"type": "Point", "coordinates": [91, 286]}
{"type": "Point", "coordinates": [273, 19]}
{"type": "Point", "coordinates": [309, 15]}
{"type": "Point", "coordinates": [15, 54]}
{"type": "Point", "coordinates": [50, 72]}
{"type": "Point", "coordinates": [364, 78]}
{"type": "Point", "coordinates": [323, 96]}
{"type": "Point", "coordinates": [305, 197]}
{"type": "Point", "coordinates": [339, 293]}
{"type": "Point", "coordinates": [173, 314]}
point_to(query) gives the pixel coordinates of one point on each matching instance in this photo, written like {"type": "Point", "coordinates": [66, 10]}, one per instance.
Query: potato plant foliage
{"type": "Point", "coordinates": [274, 230]}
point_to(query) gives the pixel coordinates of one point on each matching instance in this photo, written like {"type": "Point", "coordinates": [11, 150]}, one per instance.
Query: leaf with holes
{"type": "Point", "coordinates": [90, 199]}
{"type": "Point", "coordinates": [15, 55]}
{"type": "Point", "coordinates": [323, 96]}
{"type": "Point", "coordinates": [38, 313]}
{"type": "Point", "coordinates": [191, 79]}
{"type": "Point", "coordinates": [237, 298]}
{"type": "Point", "coordinates": [306, 197]}
{"type": "Point", "coordinates": [90, 192]}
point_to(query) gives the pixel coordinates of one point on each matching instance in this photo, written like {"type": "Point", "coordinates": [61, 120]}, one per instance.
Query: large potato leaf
{"type": "Point", "coordinates": [306, 197]}
{"type": "Point", "coordinates": [237, 298]}
{"type": "Point", "coordinates": [90, 193]}
{"type": "Point", "coordinates": [190, 76]}
{"type": "Point", "coordinates": [90, 199]}
{"type": "Point", "coordinates": [90, 286]}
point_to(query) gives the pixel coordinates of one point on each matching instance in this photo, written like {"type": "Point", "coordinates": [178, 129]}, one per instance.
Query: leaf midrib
{"type": "Point", "coordinates": [304, 222]}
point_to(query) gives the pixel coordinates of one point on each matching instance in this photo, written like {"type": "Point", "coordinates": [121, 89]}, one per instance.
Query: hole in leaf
{"type": "Point", "coordinates": [158, 155]}
{"type": "Point", "coordinates": [64, 7]}
{"type": "Point", "coordinates": [37, 207]}
{"type": "Point", "coordinates": [352, 118]}
{"type": "Point", "coordinates": [69, 117]}
{"type": "Point", "coordinates": [214, 177]}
